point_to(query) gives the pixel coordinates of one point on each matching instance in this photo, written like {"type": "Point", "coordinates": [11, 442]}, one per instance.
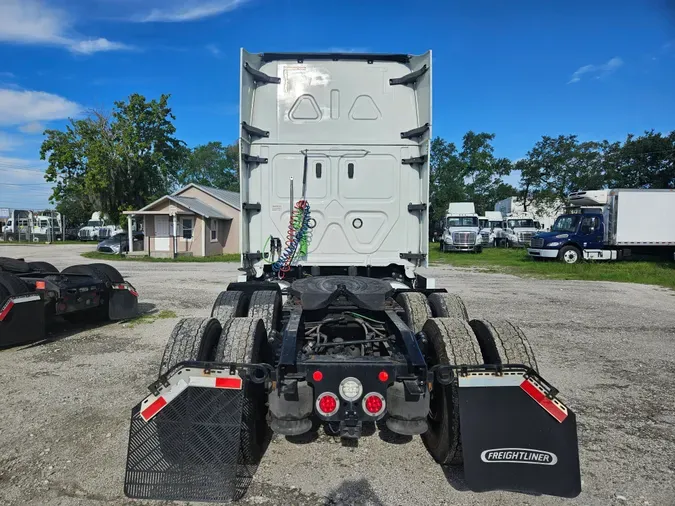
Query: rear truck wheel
{"type": "Point", "coordinates": [192, 339]}
{"type": "Point", "coordinates": [244, 340]}
{"type": "Point", "coordinates": [12, 284]}
{"type": "Point", "coordinates": [451, 342]}
{"type": "Point", "coordinates": [14, 265]}
{"type": "Point", "coordinates": [229, 304]}
{"type": "Point", "coordinates": [448, 305]}
{"type": "Point", "coordinates": [442, 246]}
{"type": "Point", "coordinates": [416, 308]}
{"type": "Point", "coordinates": [266, 305]}
{"type": "Point", "coordinates": [45, 267]}
{"type": "Point", "coordinates": [501, 342]}
{"type": "Point", "coordinates": [569, 255]}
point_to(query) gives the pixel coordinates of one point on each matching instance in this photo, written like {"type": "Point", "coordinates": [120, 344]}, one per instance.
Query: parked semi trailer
{"type": "Point", "coordinates": [32, 294]}
{"type": "Point", "coordinates": [610, 225]}
{"type": "Point", "coordinates": [330, 327]}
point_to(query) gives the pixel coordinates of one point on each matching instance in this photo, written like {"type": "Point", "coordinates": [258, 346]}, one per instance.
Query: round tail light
{"type": "Point", "coordinates": [327, 404]}
{"type": "Point", "coordinates": [374, 404]}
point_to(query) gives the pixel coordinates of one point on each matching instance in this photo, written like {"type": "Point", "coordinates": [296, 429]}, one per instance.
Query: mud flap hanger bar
{"type": "Point", "coordinates": [409, 78]}
{"type": "Point", "coordinates": [261, 77]}
{"type": "Point", "coordinates": [257, 373]}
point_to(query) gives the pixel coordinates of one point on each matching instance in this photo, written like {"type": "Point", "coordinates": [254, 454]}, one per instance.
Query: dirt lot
{"type": "Point", "coordinates": [610, 348]}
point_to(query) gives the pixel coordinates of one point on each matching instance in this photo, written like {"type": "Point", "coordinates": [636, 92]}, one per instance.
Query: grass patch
{"type": "Point", "coordinates": [230, 257]}
{"type": "Point", "coordinates": [517, 262]}
{"type": "Point", "coordinates": [150, 318]}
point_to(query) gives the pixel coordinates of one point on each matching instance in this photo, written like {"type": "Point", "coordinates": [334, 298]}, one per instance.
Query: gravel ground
{"type": "Point", "coordinates": [609, 348]}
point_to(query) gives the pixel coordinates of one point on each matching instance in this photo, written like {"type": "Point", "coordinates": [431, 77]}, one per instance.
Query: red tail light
{"type": "Point", "coordinates": [374, 404]}
{"type": "Point", "coordinates": [40, 285]}
{"type": "Point", "coordinates": [383, 376]}
{"type": "Point", "coordinates": [327, 404]}
{"type": "Point", "coordinates": [317, 375]}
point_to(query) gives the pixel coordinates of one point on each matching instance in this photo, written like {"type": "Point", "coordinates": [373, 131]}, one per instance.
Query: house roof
{"type": "Point", "coordinates": [198, 207]}
{"type": "Point", "coordinates": [228, 197]}
{"type": "Point", "coordinates": [189, 203]}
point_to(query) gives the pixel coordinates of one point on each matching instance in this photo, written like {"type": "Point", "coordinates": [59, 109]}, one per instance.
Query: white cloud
{"type": "Point", "coordinates": [32, 22]}
{"type": "Point", "coordinates": [7, 75]}
{"type": "Point", "coordinates": [179, 11]}
{"type": "Point", "coordinates": [214, 50]}
{"type": "Point", "coordinates": [596, 71]}
{"type": "Point", "coordinates": [96, 45]}
{"type": "Point", "coordinates": [32, 128]}
{"type": "Point", "coordinates": [18, 107]}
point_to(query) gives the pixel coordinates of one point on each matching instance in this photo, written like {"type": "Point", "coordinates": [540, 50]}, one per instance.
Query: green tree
{"type": "Point", "coordinates": [115, 162]}
{"type": "Point", "coordinates": [482, 172]}
{"type": "Point", "coordinates": [555, 167]}
{"type": "Point", "coordinates": [647, 161]}
{"type": "Point", "coordinates": [445, 179]}
{"type": "Point", "coordinates": [212, 164]}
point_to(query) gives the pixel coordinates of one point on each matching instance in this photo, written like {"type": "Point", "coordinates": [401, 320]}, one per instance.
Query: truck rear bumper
{"type": "Point", "coordinates": [542, 253]}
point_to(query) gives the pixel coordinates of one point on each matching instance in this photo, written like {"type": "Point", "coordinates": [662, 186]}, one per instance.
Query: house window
{"type": "Point", "coordinates": [187, 228]}
{"type": "Point", "coordinates": [214, 230]}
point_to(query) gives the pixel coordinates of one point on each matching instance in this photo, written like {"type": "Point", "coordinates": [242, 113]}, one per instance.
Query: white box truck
{"type": "Point", "coordinates": [461, 231]}
{"type": "Point", "coordinates": [610, 225]}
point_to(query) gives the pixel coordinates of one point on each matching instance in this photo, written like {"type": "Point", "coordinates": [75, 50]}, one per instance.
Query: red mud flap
{"type": "Point", "coordinates": [517, 436]}
{"type": "Point", "coordinates": [184, 439]}
{"type": "Point", "coordinates": [123, 302]}
{"type": "Point", "coordinates": [22, 320]}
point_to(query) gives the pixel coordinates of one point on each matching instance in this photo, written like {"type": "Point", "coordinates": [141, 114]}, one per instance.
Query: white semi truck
{"type": "Point", "coordinates": [610, 225]}
{"type": "Point", "coordinates": [461, 231]}
{"type": "Point", "coordinates": [98, 228]}
{"type": "Point", "coordinates": [491, 227]}
{"type": "Point", "coordinates": [329, 323]}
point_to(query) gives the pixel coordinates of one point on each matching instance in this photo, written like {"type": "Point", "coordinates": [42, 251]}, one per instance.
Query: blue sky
{"type": "Point", "coordinates": [519, 69]}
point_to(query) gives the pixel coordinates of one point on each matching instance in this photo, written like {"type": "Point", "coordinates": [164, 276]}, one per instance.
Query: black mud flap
{"type": "Point", "coordinates": [184, 441]}
{"type": "Point", "coordinates": [123, 303]}
{"type": "Point", "coordinates": [22, 320]}
{"type": "Point", "coordinates": [517, 436]}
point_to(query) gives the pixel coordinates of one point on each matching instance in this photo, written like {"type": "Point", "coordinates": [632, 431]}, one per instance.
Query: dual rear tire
{"type": "Point", "coordinates": [453, 339]}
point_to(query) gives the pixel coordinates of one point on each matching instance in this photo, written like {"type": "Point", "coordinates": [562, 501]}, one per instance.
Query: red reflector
{"type": "Point", "coordinates": [40, 285]}
{"type": "Point", "coordinates": [317, 375]}
{"type": "Point", "coordinates": [327, 404]}
{"type": "Point", "coordinates": [5, 311]}
{"type": "Point", "coordinates": [541, 399]}
{"type": "Point", "coordinates": [373, 404]}
{"type": "Point", "coordinates": [229, 382]}
{"type": "Point", "coordinates": [383, 376]}
{"type": "Point", "coordinates": [153, 409]}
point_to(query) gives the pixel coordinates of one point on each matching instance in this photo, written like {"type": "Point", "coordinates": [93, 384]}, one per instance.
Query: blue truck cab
{"type": "Point", "coordinates": [572, 238]}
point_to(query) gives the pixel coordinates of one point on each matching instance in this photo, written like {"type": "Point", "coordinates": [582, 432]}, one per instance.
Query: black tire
{"type": "Point", "coordinates": [441, 246]}
{"type": "Point", "coordinates": [45, 267]}
{"type": "Point", "coordinates": [113, 274]}
{"type": "Point", "coordinates": [229, 304]}
{"type": "Point", "coordinates": [191, 339]}
{"type": "Point", "coordinates": [501, 342]}
{"type": "Point", "coordinates": [448, 305]}
{"type": "Point", "coordinates": [570, 255]}
{"type": "Point", "coordinates": [479, 249]}
{"type": "Point", "coordinates": [13, 285]}
{"type": "Point", "coordinates": [13, 265]}
{"type": "Point", "coordinates": [266, 305]}
{"type": "Point", "coordinates": [244, 340]}
{"type": "Point", "coordinates": [451, 342]}
{"type": "Point", "coordinates": [416, 307]}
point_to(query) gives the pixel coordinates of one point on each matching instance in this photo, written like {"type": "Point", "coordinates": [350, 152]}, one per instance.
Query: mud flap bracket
{"type": "Point", "coordinates": [516, 436]}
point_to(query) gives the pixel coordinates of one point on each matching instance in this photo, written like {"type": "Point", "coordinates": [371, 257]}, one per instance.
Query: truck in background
{"type": "Point", "coordinates": [517, 231]}
{"type": "Point", "coordinates": [491, 227]}
{"type": "Point", "coordinates": [98, 228]}
{"type": "Point", "coordinates": [29, 225]}
{"type": "Point", "coordinates": [610, 225]}
{"type": "Point", "coordinates": [461, 231]}
{"type": "Point", "coordinates": [545, 215]}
